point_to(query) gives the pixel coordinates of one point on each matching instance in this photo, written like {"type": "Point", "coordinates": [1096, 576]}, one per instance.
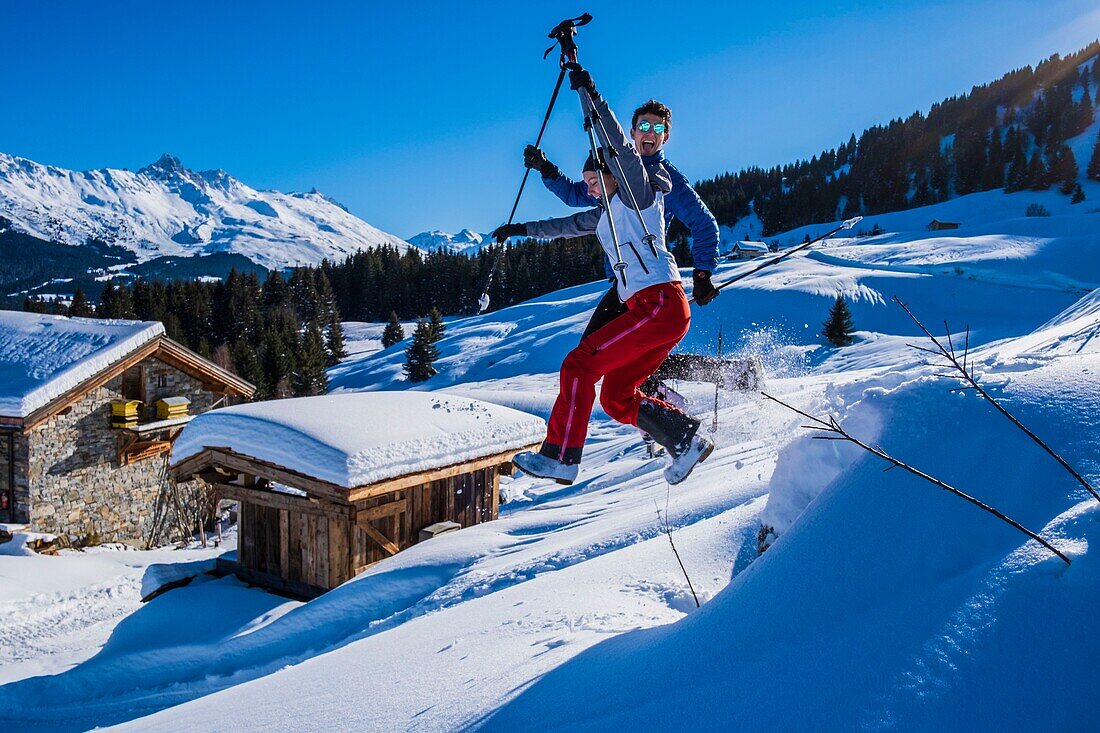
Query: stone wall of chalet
{"type": "Point", "coordinates": [79, 489]}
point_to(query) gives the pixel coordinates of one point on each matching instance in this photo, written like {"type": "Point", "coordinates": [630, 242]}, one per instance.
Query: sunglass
{"type": "Point", "coordinates": [646, 126]}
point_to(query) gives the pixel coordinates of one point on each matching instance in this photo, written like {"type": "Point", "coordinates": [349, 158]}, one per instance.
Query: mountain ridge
{"type": "Point", "coordinates": [167, 209]}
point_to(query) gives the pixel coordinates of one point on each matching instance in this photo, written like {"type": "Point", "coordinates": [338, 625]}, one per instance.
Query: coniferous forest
{"type": "Point", "coordinates": [1009, 134]}
{"type": "Point", "coordinates": [281, 333]}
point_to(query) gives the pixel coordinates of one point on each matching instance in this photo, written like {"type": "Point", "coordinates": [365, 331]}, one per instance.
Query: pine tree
{"type": "Point", "coordinates": [248, 366]}
{"type": "Point", "coordinates": [839, 327]}
{"type": "Point", "coordinates": [80, 307]}
{"type": "Point", "coordinates": [1093, 171]}
{"type": "Point", "coordinates": [1078, 195]}
{"type": "Point", "coordinates": [421, 354]}
{"type": "Point", "coordinates": [34, 305]}
{"type": "Point", "coordinates": [393, 332]}
{"type": "Point", "coordinates": [115, 302]}
{"type": "Point", "coordinates": [310, 378]}
{"type": "Point", "coordinates": [1063, 169]}
{"type": "Point", "coordinates": [435, 320]}
{"type": "Point", "coordinates": [334, 342]}
{"type": "Point", "coordinates": [1037, 173]}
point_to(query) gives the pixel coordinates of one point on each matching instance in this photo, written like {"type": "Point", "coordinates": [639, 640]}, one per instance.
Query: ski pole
{"type": "Point", "coordinates": [563, 35]}
{"type": "Point", "coordinates": [589, 110]}
{"type": "Point", "coordinates": [847, 224]}
{"type": "Point", "coordinates": [648, 238]}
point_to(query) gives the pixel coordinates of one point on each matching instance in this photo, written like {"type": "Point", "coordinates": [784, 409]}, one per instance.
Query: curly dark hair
{"type": "Point", "coordinates": [652, 107]}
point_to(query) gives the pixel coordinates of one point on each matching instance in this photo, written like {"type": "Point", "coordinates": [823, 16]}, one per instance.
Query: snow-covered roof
{"type": "Point", "coordinates": [42, 356]}
{"type": "Point", "coordinates": [752, 246]}
{"type": "Point", "coordinates": [357, 438]}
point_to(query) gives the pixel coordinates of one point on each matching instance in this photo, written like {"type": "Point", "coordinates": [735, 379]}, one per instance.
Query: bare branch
{"type": "Point", "coordinates": [967, 376]}
{"type": "Point", "coordinates": [895, 463]}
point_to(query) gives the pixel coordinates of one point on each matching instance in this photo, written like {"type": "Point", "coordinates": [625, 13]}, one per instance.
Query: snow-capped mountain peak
{"type": "Point", "coordinates": [464, 242]}
{"type": "Point", "coordinates": [166, 208]}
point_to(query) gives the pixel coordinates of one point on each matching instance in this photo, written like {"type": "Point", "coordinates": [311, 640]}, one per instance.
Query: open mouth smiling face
{"type": "Point", "coordinates": [646, 139]}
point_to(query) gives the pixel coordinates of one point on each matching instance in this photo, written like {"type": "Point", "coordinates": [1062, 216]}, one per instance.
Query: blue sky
{"type": "Point", "coordinates": [414, 115]}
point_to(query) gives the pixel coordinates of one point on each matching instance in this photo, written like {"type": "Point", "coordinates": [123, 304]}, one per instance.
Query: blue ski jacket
{"type": "Point", "coordinates": [682, 202]}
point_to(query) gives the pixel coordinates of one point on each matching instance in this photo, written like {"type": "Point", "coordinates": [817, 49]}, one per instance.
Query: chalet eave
{"type": "Point", "coordinates": [212, 456]}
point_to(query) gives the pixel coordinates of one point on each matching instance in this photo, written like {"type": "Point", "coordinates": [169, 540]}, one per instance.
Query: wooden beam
{"type": "Point", "coordinates": [367, 491]}
{"type": "Point", "coordinates": [249, 465]}
{"type": "Point", "coordinates": [179, 356]}
{"type": "Point", "coordinates": [380, 538]}
{"type": "Point", "coordinates": [389, 509]}
{"type": "Point", "coordinates": [275, 500]}
{"type": "Point", "coordinates": [190, 466]}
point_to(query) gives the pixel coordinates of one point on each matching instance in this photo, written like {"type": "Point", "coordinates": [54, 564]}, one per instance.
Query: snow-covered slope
{"type": "Point", "coordinates": [166, 209]}
{"type": "Point", "coordinates": [884, 603]}
{"type": "Point", "coordinates": [465, 242]}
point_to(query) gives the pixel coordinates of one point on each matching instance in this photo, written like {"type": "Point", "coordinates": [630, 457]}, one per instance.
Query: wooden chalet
{"type": "Point", "coordinates": [938, 226]}
{"type": "Point", "coordinates": [303, 530]}
{"type": "Point", "coordinates": [83, 454]}
{"type": "Point", "coordinates": [748, 250]}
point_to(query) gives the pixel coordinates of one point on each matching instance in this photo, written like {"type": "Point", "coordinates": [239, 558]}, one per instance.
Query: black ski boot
{"type": "Point", "coordinates": [676, 431]}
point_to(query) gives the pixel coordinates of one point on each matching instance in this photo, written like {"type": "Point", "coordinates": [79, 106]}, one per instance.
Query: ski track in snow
{"type": "Point", "coordinates": [77, 621]}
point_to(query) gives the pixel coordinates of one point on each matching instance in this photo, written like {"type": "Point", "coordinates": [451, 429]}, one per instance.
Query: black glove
{"type": "Point", "coordinates": [703, 289]}
{"type": "Point", "coordinates": [579, 78]}
{"type": "Point", "coordinates": [504, 231]}
{"type": "Point", "coordinates": [535, 158]}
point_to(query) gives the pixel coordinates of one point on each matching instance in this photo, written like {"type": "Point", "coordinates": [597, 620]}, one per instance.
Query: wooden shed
{"type": "Point", "coordinates": [327, 486]}
{"type": "Point", "coordinates": [938, 226]}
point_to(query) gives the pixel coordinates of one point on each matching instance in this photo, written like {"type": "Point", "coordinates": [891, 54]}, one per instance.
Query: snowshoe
{"type": "Point", "coordinates": [682, 465]}
{"type": "Point", "coordinates": [542, 466]}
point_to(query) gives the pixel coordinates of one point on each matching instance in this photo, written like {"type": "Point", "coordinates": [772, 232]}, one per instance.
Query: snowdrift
{"type": "Point", "coordinates": [888, 603]}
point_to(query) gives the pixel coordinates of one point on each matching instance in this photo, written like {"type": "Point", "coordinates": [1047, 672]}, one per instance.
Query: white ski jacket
{"type": "Point", "coordinates": [645, 265]}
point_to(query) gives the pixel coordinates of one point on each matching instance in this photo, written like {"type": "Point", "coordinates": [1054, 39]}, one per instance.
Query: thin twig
{"type": "Point", "coordinates": [965, 372]}
{"type": "Point", "coordinates": [844, 435]}
{"type": "Point", "coordinates": [668, 531]}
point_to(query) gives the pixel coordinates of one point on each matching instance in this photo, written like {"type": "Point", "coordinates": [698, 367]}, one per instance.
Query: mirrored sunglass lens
{"type": "Point", "coordinates": [658, 129]}
{"type": "Point", "coordinates": [644, 126]}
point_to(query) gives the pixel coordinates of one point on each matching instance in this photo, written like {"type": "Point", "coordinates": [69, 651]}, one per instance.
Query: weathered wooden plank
{"type": "Point", "coordinates": [398, 483]}
{"type": "Point", "coordinates": [302, 504]}
{"type": "Point", "coordinates": [380, 538]}
{"type": "Point", "coordinates": [281, 474]}
{"type": "Point", "coordinates": [381, 510]}
{"type": "Point", "coordinates": [244, 534]}
{"type": "Point", "coordinates": [284, 542]}
{"type": "Point", "coordinates": [496, 496]}
{"type": "Point", "coordinates": [294, 546]}
{"type": "Point", "coordinates": [190, 465]}
{"type": "Point", "coordinates": [321, 557]}
{"type": "Point", "coordinates": [271, 525]}
{"type": "Point", "coordinates": [338, 554]}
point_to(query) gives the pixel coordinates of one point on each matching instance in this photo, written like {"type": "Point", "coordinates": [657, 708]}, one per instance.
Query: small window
{"type": "Point", "coordinates": [133, 384]}
{"type": "Point", "coordinates": [162, 380]}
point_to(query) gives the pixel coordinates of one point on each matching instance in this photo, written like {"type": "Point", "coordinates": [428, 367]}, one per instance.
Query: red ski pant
{"type": "Point", "coordinates": [624, 352]}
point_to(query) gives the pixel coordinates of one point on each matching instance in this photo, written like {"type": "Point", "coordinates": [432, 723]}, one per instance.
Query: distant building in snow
{"type": "Point", "coordinates": [83, 454]}
{"type": "Point", "coordinates": [748, 250]}
{"type": "Point", "coordinates": [938, 226]}
{"type": "Point", "coordinates": [329, 485]}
